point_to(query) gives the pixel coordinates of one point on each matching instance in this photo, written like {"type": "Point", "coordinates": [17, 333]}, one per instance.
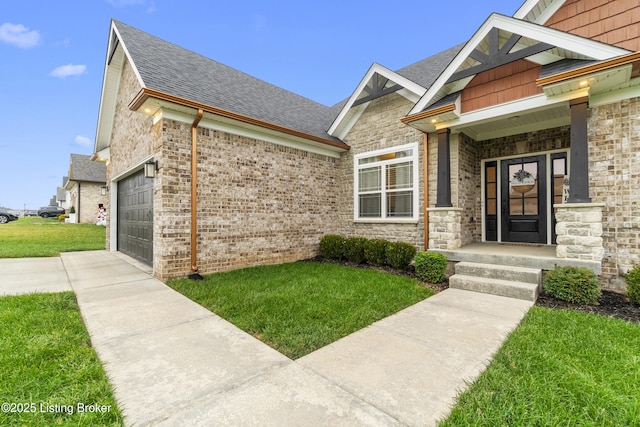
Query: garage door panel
{"type": "Point", "coordinates": [135, 217]}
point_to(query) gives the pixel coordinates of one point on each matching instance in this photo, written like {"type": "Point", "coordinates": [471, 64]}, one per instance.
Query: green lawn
{"type": "Point", "coordinates": [49, 373]}
{"type": "Point", "coordinates": [559, 368]}
{"type": "Point", "coordinates": [39, 237]}
{"type": "Point", "coordinates": [299, 307]}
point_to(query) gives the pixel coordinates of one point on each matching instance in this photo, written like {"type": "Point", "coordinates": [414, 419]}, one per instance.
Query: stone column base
{"type": "Point", "coordinates": [579, 231]}
{"type": "Point", "coordinates": [445, 227]}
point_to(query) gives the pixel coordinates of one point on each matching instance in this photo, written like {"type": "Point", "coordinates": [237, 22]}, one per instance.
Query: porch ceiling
{"type": "Point", "coordinates": [517, 123]}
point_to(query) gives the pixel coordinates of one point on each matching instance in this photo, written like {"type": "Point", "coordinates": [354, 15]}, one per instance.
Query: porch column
{"type": "Point", "coordinates": [579, 175]}
{"type": "Point", "coordinates": [443, 199]}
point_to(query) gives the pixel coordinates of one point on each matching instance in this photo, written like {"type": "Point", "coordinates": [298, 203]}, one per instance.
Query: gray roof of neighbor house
{"type": "Point", "coordinates": [82, 169]}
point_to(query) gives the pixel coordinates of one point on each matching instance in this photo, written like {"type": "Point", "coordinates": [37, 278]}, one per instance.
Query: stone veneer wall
{"type": "Point", "coordinates": [614, 179]}
{"type": "Point", "coordinates": [379, 127]}
{"type": "Point", "coordinates": [466, 155]}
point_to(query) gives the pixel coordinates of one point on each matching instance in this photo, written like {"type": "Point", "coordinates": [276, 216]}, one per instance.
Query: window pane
{"type": "Point", "coordinates": [369, 179]}
{"type": "Point", "coordinates": [369, 160]}
{"type": "Point", "coordinates": [399, 176]}
{"type": "Point", "coordinates": [491, 174]}
{"type": "Point", "coordinates": [491, 207]}
{"type": "Point", "coordinates": [400, 204]}
{"type": "Point", "coordinates": [491, 191]}
{"type": "Point", "coordinates": [370, 205]}
{"type": "Point", "coordinates": [515, 206]}
{"type": "Point", "coordinates": [531, 206]}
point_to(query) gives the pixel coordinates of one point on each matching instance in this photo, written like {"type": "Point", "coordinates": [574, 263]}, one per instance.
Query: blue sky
{"type": "Point", "coordinates": [52, 56]}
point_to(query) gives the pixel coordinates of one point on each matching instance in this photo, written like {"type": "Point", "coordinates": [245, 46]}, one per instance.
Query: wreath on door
{"type": "Point", "coordinates": [522, 181]}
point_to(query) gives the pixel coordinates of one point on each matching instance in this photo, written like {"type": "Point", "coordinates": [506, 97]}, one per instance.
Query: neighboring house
{"type": "Point", "coordinates": [526, 134]}
{"type": "Point", "coordinates": [86, 183]}
{"type": "Point", "coordinates": [63, 197]}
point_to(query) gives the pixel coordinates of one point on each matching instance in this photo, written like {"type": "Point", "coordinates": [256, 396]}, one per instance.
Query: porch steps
{"type": "Point", "coordinates": [505, 280]}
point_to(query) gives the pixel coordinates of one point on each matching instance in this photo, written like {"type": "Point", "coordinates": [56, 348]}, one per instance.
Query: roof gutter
{"type": "Point", "coordinates": [194, 197]}
{"type": "Point", "coordinates": [618, 61]}
{"type": "Point", "coordinates": [146, 93]}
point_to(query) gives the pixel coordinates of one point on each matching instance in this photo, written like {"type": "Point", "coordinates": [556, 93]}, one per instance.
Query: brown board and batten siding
{"type": "Point", "coordinates": [613, 22]}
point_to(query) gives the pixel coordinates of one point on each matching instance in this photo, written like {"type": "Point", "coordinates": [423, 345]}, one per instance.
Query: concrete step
{"type": "Point", "coordinates": [506, 288]}
{"type": "Point", "coordinates": [501, 272]}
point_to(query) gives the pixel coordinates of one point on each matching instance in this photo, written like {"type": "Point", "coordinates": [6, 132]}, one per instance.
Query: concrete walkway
{"type": "Point", "coordinates": [172, 362]}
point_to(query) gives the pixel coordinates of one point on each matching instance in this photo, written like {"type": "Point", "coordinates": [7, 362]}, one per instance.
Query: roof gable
{"type": "Point", "coordinates": [411, 82]}
{"type": "Point", "coordinates": [503, 39]}
{"type": "Point", "coordinates": [162, 67]}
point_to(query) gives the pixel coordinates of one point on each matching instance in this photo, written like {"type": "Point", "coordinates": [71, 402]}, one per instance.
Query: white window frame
{"type": "Point", "coordinates": [413, 158]}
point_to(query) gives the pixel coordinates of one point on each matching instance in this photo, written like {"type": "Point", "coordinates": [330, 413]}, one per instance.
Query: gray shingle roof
{"type": "Point", "coordinates": [81, 168]}
{"type": "Point", "coordinates": [426, 71]}
{"type": "Point", "coordinates": [171, 69]}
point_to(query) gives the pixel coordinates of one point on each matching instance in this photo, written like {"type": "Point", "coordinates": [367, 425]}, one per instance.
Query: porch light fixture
{"type": "Point", "coordinates": [103, 190]}
{"type": "Point", "coordinates": [150, 169]}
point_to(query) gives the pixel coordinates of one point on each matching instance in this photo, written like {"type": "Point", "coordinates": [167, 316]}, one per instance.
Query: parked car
{"type": "Point", "coordinates": [6, 217]}
{"type": "Point", "coordinates": [47, 211]}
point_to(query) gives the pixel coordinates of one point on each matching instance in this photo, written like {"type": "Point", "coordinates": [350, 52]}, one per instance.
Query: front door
{"type": "Point", "coordinates": [524, 208]}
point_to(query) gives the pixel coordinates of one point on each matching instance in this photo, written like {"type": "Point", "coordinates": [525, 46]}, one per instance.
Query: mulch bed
{"type": "Point", "coordinates": [610, 304]}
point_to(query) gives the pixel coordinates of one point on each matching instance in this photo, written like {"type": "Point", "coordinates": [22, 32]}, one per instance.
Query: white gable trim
{"type": "Point", "coordinates": [538, 11]}
{"type": "Point", "coordinates": [596, 50]}
{"type": "Point", "coordinates": [113, 64]}
{"type": "Point", "coordinates": [343, 124]}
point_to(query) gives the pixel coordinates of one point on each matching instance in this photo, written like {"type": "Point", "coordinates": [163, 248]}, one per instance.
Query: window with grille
{"type": "Point", "coordinates": [386, 184]}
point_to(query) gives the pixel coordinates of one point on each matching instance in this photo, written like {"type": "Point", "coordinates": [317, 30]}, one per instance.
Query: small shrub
{"type": "Point", "coordinates": [332, 246]}
{"type": "Point", "coordinates": [354, 249]}
{"type": "Point", "coordinates": [375, 251]}
{"type": "Point", "coordinates": [399, 254]}
{"type": "Point", "coordinates": [577, 285]}
{"type": "Point", "coordinates": [633, 284]}
{"type": "Point", "coordinates": [431, 267]}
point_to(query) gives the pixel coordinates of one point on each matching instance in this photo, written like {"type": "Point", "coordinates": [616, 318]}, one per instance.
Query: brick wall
{"type": "Point", "coordinates": [134, 138]}
{"type": "Point", "coordinates": [614, 179]}
{"type": "Point", "coordinates": [378, 128]}
{"type": "Point", "coordinates": [258, 202]}
{"type": "Point", "coordinates": [90, 197]}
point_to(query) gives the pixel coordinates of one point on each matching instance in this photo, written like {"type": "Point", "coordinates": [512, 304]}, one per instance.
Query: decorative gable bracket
{"type": "Point", "coordinates": [497, 55]}
{"type": "Point", "coordinates": [377, 89]}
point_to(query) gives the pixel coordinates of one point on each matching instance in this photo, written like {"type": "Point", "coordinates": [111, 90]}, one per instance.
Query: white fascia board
{"type": "Point", "coordinates": [547, 11]}
{"type": "Point", "coordinates": [383, 71]}
{"type": "Point", "coordinates": [211, 121]}
{"type": "Point", "coordinates": [110, 86]}
{"type": "Point", "coordinates": [597, 50]}
{"type": "Point", "coordinates": [126, 51]}
{"type": "Point", "coordinates": [529, 104]}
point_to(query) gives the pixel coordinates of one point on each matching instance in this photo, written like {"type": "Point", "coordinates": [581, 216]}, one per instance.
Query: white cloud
{"type": "Point", "coordinates": [83, 141]}
{"type": "Point", "coordinates": [68, 70]}
{"type": "Point", "coordinates": [19, 35]}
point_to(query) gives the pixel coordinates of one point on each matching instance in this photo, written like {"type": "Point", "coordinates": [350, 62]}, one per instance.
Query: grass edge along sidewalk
{"type": "Point", "coordinates": [559, 367]}
{"type": "Point", "coordinates": [299, 307]}
{"type": "Point", "coordinates": [30, 237]}
{"type": "Point", "coordinates": [49, 372]}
